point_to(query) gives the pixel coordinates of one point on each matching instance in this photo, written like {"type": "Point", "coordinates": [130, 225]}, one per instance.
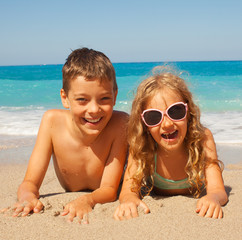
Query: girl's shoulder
{"type": "Point", "coordinates": [208, 136]}
{"type": "Point", "coordinates": [209, 145]}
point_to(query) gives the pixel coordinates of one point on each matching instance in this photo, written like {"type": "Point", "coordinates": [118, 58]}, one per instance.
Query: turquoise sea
{"type": "Point", "coordinates": [28, 91]}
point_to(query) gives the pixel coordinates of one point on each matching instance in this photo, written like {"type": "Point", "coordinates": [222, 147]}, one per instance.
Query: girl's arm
{"type": "Point", "coordinates": [210, 204]}
{"type": "Point", "coordinates": [129, 200]}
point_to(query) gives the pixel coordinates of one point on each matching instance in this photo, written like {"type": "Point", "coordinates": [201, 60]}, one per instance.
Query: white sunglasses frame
{"type": "Point", "coordinates": [163, 113]}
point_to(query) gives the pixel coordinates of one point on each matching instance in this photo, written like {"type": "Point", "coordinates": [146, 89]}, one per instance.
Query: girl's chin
{"type": "Point", "coordinates": [169, 144]}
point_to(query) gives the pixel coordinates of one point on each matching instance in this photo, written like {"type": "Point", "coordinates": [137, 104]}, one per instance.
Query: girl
{"type": "Point", "coordinates": [170, 150]}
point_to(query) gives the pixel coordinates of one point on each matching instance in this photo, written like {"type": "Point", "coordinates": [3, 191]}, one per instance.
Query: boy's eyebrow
{"type": "Point", "coordinates": [86, 94]}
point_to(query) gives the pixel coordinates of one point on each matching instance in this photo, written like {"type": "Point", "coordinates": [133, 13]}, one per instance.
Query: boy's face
{"type": "Point", "coordinates": [90, 103]}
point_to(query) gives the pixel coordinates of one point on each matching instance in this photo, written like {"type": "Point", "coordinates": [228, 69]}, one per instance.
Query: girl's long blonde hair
{"type": "Point", "coordinates": [142, 145]}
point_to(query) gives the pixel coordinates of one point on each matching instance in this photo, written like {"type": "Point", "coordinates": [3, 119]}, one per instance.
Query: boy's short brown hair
{"type": "Point", "coordinates": [90, 64]}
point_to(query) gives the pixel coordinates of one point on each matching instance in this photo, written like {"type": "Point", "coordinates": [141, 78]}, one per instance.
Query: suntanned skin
{"type": "Point", "coordinates": [207, 206]}
{"type": "Point", "coordinates": [171, 161]}
{"type": "Point", "coordinates": [88, 146]}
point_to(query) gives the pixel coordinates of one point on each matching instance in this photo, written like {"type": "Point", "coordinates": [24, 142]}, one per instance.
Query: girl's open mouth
{"type": "Point", "coordinates": [170, 136]}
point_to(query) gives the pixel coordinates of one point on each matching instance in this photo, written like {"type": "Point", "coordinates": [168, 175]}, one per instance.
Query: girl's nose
{"type": "Point", "coordinates": [166, 122]}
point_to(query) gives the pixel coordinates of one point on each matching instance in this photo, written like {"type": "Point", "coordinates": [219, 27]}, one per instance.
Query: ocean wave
{"type": "Point", "coordinates": [226, 127]}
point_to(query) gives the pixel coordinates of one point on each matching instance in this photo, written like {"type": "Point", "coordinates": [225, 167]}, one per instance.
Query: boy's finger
{"type": "Point", "coordinates": [4, 210]}
{"type": "Point", "coordinates": [26, 211]}
{"type": "Point", "coordinates": [38, 207]}
{"type": "Point", "coordinates": [18, 210]}
{"type": "Point", "coordinates": [220, 213]}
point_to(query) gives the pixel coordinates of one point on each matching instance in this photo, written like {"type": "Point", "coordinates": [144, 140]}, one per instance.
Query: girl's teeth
{"type": "Point", "coordinates": [170, 135]}
{"type": "Point", "coordinates": [167, 134]}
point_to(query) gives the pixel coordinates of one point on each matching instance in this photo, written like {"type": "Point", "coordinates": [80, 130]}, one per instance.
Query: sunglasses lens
{"type": "Point", "coordinates": [152, 117]}
{"type": "Point", "coordinates": [177, 111]}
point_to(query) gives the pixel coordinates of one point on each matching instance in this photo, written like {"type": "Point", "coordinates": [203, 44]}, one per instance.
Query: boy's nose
{"type": "Point", "coordinates": [93, 107]}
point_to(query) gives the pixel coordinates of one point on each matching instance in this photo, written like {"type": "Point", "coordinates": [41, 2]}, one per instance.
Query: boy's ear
{"type": "Point", "coordinates": [115, 96]}
{"type": "Point", "coordinates": [64, 98]}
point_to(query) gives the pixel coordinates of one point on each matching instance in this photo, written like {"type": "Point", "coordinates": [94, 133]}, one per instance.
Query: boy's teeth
{"type": "Point", "coordinates": [93, 120]}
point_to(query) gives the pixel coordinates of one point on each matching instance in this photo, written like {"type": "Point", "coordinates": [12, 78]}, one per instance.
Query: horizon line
{"type": "Point", "coordinates": [48, 64]}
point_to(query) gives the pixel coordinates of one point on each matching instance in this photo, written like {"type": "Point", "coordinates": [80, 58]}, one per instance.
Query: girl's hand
{"type": "Point", "coordinates": [78, 208]}
{"type": "Point", "coordinates": [129, 210]}
{"type": "Point", "coordinates": [23, 208]}
{"type": "Point", "coordinates": [209, 206]}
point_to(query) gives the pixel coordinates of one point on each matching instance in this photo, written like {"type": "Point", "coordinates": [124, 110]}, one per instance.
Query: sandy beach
{"type": "Point", "coordinates": [170, 217]}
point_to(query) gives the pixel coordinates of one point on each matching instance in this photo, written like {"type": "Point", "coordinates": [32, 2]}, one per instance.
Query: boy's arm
{"type": "Point", "coordinates": [112, 173]}
{"type": "Point", "coordinates": [210, 204]}
{"type": "Point", "coordinates": [28, 192]}
{"type": "Point", "coordinates": [114, 165]}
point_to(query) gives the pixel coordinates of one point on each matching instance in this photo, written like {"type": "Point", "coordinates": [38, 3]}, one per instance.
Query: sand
{"type": "Point", "coordinates": [170, 217]}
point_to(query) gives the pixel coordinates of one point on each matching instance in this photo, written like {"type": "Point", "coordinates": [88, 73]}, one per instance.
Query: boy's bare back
{"type": "Point", "coordinates": [80, 166]}
{"type": "Point", "coordinates": [87, 142]}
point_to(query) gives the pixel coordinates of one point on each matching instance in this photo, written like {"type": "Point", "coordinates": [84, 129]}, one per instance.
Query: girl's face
{"type": "Point", "coordinates": [169, 134]}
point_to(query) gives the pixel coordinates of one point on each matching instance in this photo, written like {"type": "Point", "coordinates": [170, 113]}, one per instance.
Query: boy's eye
{"type": "Point", "coordinates": [106, 98]}
{"type": "Point", "coordinates": [81, 99]}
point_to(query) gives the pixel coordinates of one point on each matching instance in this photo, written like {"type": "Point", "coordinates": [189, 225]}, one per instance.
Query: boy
{"type": "Point", "coordinates": [87, 142]}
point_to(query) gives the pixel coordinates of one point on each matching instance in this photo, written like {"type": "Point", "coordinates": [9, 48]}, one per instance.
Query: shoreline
{"type": "Point", "coordinates": [16, 149]}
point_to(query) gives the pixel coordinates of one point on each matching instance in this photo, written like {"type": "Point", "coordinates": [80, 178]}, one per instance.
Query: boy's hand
{"type": "Point", "coordinates": [209, 206]}
{"type": "Point", "coordinates": [129, 210]}
{"type": "Point", "coordinates": [23, 208]}
{"type": "Point", "coordinates": [78, 208]}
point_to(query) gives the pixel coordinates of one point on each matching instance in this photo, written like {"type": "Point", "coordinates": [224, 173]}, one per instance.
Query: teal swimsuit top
{"type": "Point", "coordinates": [163, 183]}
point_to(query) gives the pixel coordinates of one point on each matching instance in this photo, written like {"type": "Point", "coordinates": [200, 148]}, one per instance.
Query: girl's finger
{"type": "Point", "coordinates": [145, 207]}
{"type": "Point", "coordinates": [72, 214]}
{"type": "Point", "coordinates": [85, 219]}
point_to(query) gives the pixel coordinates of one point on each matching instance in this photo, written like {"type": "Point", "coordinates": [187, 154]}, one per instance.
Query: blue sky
{"type": "Point", "coordinates": [45, 31]}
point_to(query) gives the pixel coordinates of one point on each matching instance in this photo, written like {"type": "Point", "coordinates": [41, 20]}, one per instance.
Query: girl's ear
{"type": "Point", "coordinates": [64, 98]}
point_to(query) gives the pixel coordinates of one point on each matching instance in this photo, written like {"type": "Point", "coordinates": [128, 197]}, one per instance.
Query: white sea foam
{"type": "Point", "coordinates": [20, 122]}
{"type": "Point", "coordinates": [226, 127]}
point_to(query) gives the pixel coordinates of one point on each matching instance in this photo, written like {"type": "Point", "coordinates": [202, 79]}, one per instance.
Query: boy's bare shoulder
{"type": "Point", "coordinates": [118, 122]}
{"type": "Point", "coordinates": [119, 117]}
{"type": "Point", "coordinates": [54, 115]}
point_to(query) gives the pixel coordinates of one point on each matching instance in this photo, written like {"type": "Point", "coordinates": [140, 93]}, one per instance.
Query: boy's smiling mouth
{"type": "Point", "coordinates": [170, 135]}
{"type": "Point", "coordinates": [92, 120]}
